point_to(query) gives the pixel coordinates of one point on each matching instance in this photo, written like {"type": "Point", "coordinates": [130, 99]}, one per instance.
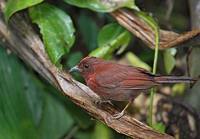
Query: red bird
{"type": "Point", "coordinates": [112, 81]}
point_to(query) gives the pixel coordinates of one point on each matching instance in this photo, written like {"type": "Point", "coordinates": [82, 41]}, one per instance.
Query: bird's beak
{"type": "Point", "coordinates": [74, 69]}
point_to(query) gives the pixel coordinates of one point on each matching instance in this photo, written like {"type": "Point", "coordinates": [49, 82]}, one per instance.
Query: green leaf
{"type": "Point", "coordinates": [136, 61]}
{"type": "Point", "coordinates": [101, 131]}
{"type": "Point", "coordinates": [27, 111]}
{"type": "Point", "coordinates": [84, 134]}
{"type": "Point", "coordinates": [110, 38]}
{"type": "Point", "coordinates": [74, 58]}
{"type": "Point", "coordinates": [89, 31]}
{"type": "Point", "coordinates": [79, 115]}
{"type": "Point", "coordinates": [178, 89]}
{"type": "Point", "coordinates": [160, 127]}
{"type": "Point", "coordinates": [13, 6]}
{"type": "Point", "coordinates": [103, 5]}
{"type": "Point", "coordinates": [56, 121]}
{"type": "Point", "coordinates": [15, 116]}
{"type": "Point", "coordinates": [169, 60]}
{"type": "Point", "coordinates": [56, 28]}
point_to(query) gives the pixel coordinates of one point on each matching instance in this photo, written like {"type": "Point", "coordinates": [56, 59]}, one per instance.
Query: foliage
{"type": "Point", "coordinates": [15, 6]}
{"type": "Point", "coordinates": [27, 110]}
{"type": "Point", "coordinates": [110, 38]}
{"type": "Point", "coordinates": [56, 28]}
{"type": "Point", "coordinates": [103, 6]}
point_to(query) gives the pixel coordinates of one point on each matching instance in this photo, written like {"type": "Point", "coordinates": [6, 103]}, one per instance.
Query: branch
{"type": "Point", "coordinates": [20, 37]}
{"type": "Point", "coordinates": [143, 31]}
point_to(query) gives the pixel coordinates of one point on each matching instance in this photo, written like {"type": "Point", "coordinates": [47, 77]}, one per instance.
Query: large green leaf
{"type": "Point", "coordinates": [56, 28]}
{"type": "Point", "coordinates": [84, 134]}
{"type": "Point", "coordinates": [55, 121]}
{"type": "Point", "coordinates": [80, 117]}
{"type": "Point", "coordinates": [101, 131]}
{"type": "Point", "coordinates": [110, 38]}
{"type": "Point", "coordinates": [26, 109]}
{"type": "Point", "coordinates": [73, 58]}
{"type": "Point", "coordinates": [15, 117]}
{"type": "Point", "coordinates": [89, 31]}
{"type": "Point", "coordinates": [103, 5]}
{"type": "Point", "coordinates": [13, 6]}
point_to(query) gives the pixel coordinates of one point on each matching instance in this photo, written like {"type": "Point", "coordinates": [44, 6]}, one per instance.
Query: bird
{"type": "Point", "coordinates": [117, 82]}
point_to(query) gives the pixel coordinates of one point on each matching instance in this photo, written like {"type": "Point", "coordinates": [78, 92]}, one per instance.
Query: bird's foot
{"type": "Point", "coordinates": [118, 115]}
{"type": "Point", "coordinates": [100, 102]}
{"type": "Point", "coordinates": [114, 117]}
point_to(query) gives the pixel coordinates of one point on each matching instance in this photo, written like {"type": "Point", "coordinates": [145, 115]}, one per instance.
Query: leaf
{"type": "Point", "coordinates": [88, 30]}
{"type": "Point", "coordinates": [15, 116]}
{"type": "Point", "coordinates": [56, 28]}
{"type": "Point", "coordinates": [110, 38]}
{"type": "Point", "coordinates": [178, 89]}
{"type": "Point", "coordinates": [194, 63]}
{"type": "Point", "coordinates": [103, 5]}
{"type": "Point", "coordinates": [13, 6]}
{"type": "Point", "coordinates": [83, 134]}
{"type": "Point", "coordinates": [169, 60]}
{"type": "Point", "coordinates": [193, 96]}
{"type": "Point", "coordinates": [74, 58]}
{"type": "Point", "coordinates": [136, 61]}
{"type": "Point", "coordinates": [101, 131]}
{"type": "Point", "coordinates": [80, 117]}
{"type": "Point", "coordinates": [27, 111]}
{"type": "Point", "coordinates": [56, 121]}
{"type": "Point", "coordinates": [159, 127]}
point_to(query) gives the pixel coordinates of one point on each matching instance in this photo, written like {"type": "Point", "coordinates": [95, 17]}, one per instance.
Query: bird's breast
{"type": "Point", "coordinates": [94, 86]}
{"type": "Point", "coordinates": [91, 82]}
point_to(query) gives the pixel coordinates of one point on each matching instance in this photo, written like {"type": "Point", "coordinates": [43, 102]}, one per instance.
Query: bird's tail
{"type": "Point", "coordinates": [174, 79]}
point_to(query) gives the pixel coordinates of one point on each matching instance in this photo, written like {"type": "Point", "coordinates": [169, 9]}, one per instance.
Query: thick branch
{"type": "Point", "coordinates": [142, 30]}
{"type": "Point", "coordinates": [20, 37]}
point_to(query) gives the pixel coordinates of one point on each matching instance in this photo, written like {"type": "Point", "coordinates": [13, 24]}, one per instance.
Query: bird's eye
{"type": "Point", "coordinates": [86, 66]}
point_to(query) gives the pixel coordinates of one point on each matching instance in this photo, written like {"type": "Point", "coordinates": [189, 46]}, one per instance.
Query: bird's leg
{"type": "Point", "coordinates": [119, 115]}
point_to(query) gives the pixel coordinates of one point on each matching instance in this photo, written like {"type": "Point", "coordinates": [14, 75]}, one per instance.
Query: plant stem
{"type": "Point", "coordinates": [154, 72]}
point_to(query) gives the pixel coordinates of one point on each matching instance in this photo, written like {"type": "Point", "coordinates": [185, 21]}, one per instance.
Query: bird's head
{"type": "Point", "coordinates": [86, 66]}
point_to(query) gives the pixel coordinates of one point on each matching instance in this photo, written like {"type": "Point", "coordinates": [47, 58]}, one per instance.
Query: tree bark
{"type": "Point", "coordinates": [129, 20]}
{"type": "Point", "coordinates": [21, 38]}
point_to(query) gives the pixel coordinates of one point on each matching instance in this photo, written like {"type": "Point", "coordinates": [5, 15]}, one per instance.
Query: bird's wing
{"type": "Point", "coordinates": [125, 77]}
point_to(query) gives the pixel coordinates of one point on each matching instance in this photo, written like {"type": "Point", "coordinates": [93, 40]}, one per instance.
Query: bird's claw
{"type": "Point", "coordinates": [118, 115]}
{"type": "Point", "coordinates": [100, 102]}
{"type": "Point", "coordinates": [114, 117]}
